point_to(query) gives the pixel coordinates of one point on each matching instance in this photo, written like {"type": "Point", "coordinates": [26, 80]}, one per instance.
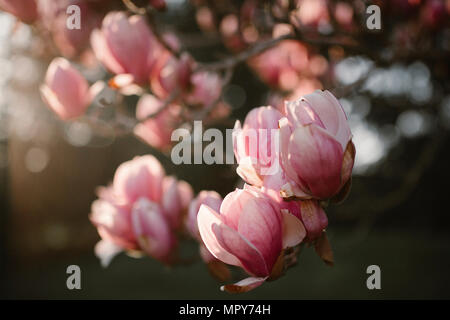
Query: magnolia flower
{"type": "Point", "coordinates": [140, 211]}
{"type": "Point", "coordinates": [69, 41]}
{"type": "Point", "coordinates": [256, 145]}
{"type": "Point", "coordinates": [156, 130]}
{"type": "Point", "coordinates": [126, 45]}
{"type": "Point", "coordinates": [206, 88]}
{"type": "Point", "coordinates": [170, 73]}
{"type": "Point", "coordinates": [25, 10]}
{"type": "Point", "coordinates": [280, 66]}
{"type": "Point", "coordinates": [65, 91]}
{"type": "Point", "coordinates": [316, 148]}
{"type": "Point", "coordinates": [249, 231]}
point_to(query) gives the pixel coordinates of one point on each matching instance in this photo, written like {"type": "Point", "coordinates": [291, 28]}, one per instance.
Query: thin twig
{"type": "Point", "coordinates": [231, 62]}
{"type": "Point", "coordinates": [133, 8]}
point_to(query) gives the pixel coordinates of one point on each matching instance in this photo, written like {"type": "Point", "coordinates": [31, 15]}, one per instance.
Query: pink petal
{"type": "Point", "coordinates": [206, 218]}
{"type": "Point", "coordinates": [103, 53]}
{"type": "Point", "coordinates": [300, 112]}
{"type": "Point", "coordinates": [332, 115]}
{"type": "Point", "coordinates": [317, 159]}
{"type": "Point", "coordinates": [140, 177]}
{"type": "Point", "coordinates": [244, 285]}
{"type": "Point", "coordinates": [285, 136]}
{"type": "Point", "coordinates": [260, 224]}
{"type": "Point", "coordinates": [186, 193]}
{"type": "Point", "coordinates": [106, 251]}
{"type": "Point", "coordinates": [210, 198]}
{"type": "Point", "coordinates": [249, 256]}
{"type": "Point", "coordinates": [232, 205]}
{"type": "Point", "coordinates": [293, 230]}
{"type": "Point", "coordinates": [151, 229]}
{"type": "Point", "coordinates": [248, 171]}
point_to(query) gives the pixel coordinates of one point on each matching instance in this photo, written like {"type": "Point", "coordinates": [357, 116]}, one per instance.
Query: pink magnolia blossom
{"type": "Point", "coordinates": [140, 211]}
{"type": "Point", "coordinates": [256, 145]}
{"type": "Point", "coordinates": [316, 148]}
{"type": "Point", "coordinates": [70, 42]}
{"type": "Point", "coordinates": [311, 13]}
{"type": "Point", "coordinates": [281, 65]}
{"type": "Point", "coordinates": [170, 73]}
{"type": "Point", "coordinates": [206, 88]}
{"type": "Point", "coordinates": [126, 45]}
{"type": "Point", "coordinates": [25, 10]}
{"type": "Point", "coordinates": [157, 130]}
{"type": "Point", "coordinates": [65, 90]}
{"type": "Point", "coordinates": [249, 231]}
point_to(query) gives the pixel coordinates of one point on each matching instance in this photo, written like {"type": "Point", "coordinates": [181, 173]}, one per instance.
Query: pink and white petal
{"type": "Point", "coordinates": [244, 285]}
{"type": "Point", "coordinates": [206, 218]}
{"type": "Point", "coordinates": [186, 193]}
{"type": "Point", "coordinates": [293, 230]}
{"type": "Point", "coordinates": [151, 229]}
{"type": "Point", "coordinates": [285, 135]}
{"type": "Point", "coordinates": [300, 112]}
{"type": "Point", "coordinates": [343, 135]}
{"type": "Point", "coordinates": [171, 202]}
{"type": "Point", "coordinates": [103, 53]}
{"type": "Point", "coordinates": [106, 251]}
{"type": "Point", "coordinates": [249, 256]}
{"type": "Point", "coordinates": [317, 158]}
{"type": "Point", "coordinates": [248, 172]}
{"type": "Point", "coordinates": [261, 225]}
{"type": "Point", "coordinates": [292, 191]}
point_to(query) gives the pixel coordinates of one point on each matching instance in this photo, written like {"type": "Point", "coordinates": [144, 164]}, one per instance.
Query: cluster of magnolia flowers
{"type": "Point", "coordinates": [294, 157]}
{"type": "Point", "coordinates": [126, 46]}
{"type": "Point", "coordinates": [258, 228]}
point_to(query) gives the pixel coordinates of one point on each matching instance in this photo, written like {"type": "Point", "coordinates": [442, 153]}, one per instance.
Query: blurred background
{"type": "Point", "coordinates": [396, 215]}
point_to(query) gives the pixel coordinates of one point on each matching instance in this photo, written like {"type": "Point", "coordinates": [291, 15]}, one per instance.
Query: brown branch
{"type": "Point", "coordinates": [254, 50]}
{"type": "Point", "coordinates": [133, 8]}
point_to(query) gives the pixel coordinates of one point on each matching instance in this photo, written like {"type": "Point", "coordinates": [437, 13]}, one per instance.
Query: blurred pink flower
{"type": "Point", "coordinates": [70, 42]}
{"type": "Point", "coordinates": [65, 90]}
{"type": "Point", "coordinates": [170, 73]}
{"type": "Point", "coordinates": [316, 148]}
{"type": "Point", "coordinates": [126, 45]}
{"type": "Point", "coordinates": [282, 64]}
{"type": "Point", "coordinates": [249, 232]}
{"type": "Point", "coordinates": [256, 145]}
{"type": "Point", "coordinates": [312, 13]}
{"type": "Point", "coordinates": [210, 198]}
{"type": "Point", "coordinates": [140, 211]}
{"type": "Point", "coordinates": [25, 10]}
{"type": "Point", "coordinates": [206, 87]}
{"type": "Point", "coordinates": [157, 130]}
